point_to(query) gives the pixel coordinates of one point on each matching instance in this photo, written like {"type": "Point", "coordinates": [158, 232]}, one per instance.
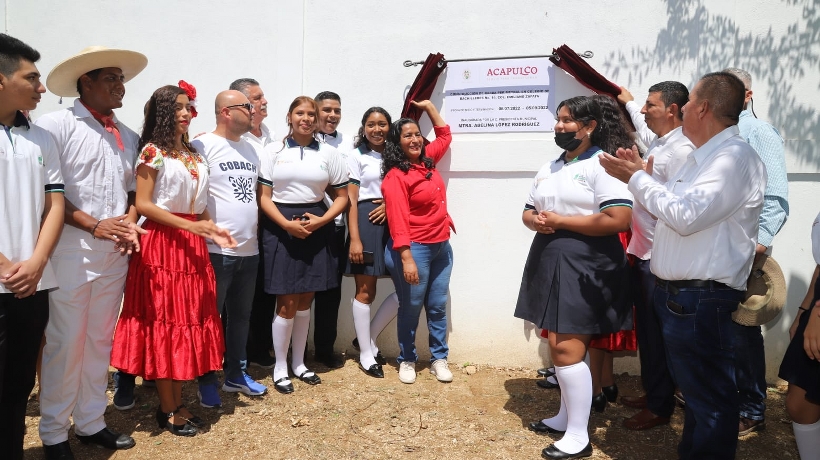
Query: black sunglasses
{"type": "Point", "coordinates": [248, 106]}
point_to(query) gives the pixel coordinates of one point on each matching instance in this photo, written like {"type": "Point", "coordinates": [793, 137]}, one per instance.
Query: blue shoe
{"type": "Point", "coordinates": [123, 391]}
{"type": "Point", "coordinates": [244, 384]}
{"type": "Point", "coordinates": [209, 396]}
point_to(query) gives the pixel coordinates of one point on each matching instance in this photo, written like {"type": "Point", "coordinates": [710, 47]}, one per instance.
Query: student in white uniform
{"type": "Point", "coordinates": [326, 312]}
{"type": "Point", "coordinates": [297, 232]}
{"type": "Point", "coordinates": [367, 222]}
{"type": "Point", "coordinates": [31, 218]}
{"type": "Point", "coordinates": [234, 168]}
{"type": "Point", "coordinates": [264, 305]}
{"type": "Point", "coordinates": [97, 154]}
{"type": "Point", "coordinates": [576, 279]}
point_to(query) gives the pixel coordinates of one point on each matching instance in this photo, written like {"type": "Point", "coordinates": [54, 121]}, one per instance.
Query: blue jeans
{"type": "Point", "coordinates": [435, 264]}
{"type": "Point", "coordinates": [700, 349]}
{"type": "Point", "coordinates": [750, 371]}
{"type": "Point", "coordinates": [235, 283]}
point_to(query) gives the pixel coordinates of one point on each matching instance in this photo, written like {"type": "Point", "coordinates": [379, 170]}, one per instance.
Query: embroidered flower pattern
{"type": "Point", "coordinates": [149, 157]}
{"type": "Point", "coordinates": [152, 157]}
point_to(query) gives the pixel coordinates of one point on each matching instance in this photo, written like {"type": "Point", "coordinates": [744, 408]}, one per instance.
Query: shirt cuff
{"type": "Point", "coordinates": [764, 238]}
{"type": "Point", "coordinates": [400, 240]}
{"type": "Point", "coordinates": [637, 182]}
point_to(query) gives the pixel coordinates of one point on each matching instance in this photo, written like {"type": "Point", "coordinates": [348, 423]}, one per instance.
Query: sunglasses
{"type": "Point", "coordinates": [247, 106]}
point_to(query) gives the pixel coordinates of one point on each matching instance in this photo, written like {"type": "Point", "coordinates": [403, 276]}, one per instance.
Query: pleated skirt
{"type": "Point", "coordinates": [374, 239]}
{"type": "Point", "coordinates": [797, 368]}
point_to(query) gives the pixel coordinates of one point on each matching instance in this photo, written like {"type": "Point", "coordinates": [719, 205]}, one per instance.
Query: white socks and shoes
{"type": "Point", "coordinates": [441, 371]}
{"type": "Point", "coordinates": [361, 322]}
{"type": "Point", "coordinates": [407, 372]}
{"type": "Point", "coordinates": [808, 439]}
{"type": "Point", "coordinates": [576, 398]}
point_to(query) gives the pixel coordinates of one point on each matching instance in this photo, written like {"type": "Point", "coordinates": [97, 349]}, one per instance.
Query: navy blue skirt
{"type": "Point", "coordinates": [293, 265]}
{"type": "Point", "coordinates": [374, 238]}
{"type": "Point", "coordinates": [797, 368]}
{"type": "Point", "coordinates": [576, 284]}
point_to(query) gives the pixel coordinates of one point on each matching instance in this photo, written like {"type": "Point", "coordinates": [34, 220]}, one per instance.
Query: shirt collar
{"type": "Point", "coordinates": [670, 135]}
{"type": "Point", "coordinates": [589, 153]}
{"type": "Point", "coordinates": [334, 135]}
{"type": "Point", "coordinates": [712, 144]}
{"type": "Point", "coordinates": [80, 111]}
{"type": "Point", "coordinates": [745, 113]}
{"type": "Point", "coordinates": [20, 121]}
{"type": "Point", "coordinates": [314, 144]}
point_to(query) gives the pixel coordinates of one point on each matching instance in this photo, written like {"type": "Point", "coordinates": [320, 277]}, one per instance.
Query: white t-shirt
{"type": "Point", "coordinates": [815, 239]}
{"type": "Point", "coordinates": [578, 188]}
{"type": "Point", "coordinates": [299, 175]}
{"type": "Point", "coordinates": [365, 168]}
{"type": "Point", "coordinates": [29, 168]}
{"type": "Point", "coordinates": [177, 189]}
{"type": "Point", "coordinates": [232, 205]}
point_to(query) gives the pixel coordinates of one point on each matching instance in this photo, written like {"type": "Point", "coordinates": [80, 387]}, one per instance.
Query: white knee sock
{"type": "Point", "coordinates": [301, 326]}
{"type": "Point", "coordinates": [361, 321]}
{"type": "Point", "coordinates": [808, 439]}
{"type": "Point", "coordinates": [559, 421]}
{"type": "Point", "coordinates": [576, 393]}
{"type": "Point", "coordinates": [386, 312]}
{"type": "Point", "coordinates": [281, 330]}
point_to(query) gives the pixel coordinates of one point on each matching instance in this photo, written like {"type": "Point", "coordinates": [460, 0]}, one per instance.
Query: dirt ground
{"type": "Point", "coordinates": [350, 415]}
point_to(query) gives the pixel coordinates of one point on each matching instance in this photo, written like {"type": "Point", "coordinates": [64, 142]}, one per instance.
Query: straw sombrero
{"type": "Point", "coordinates": [62, 80]}
{"type": "Point", "coordinates": [765, 294]}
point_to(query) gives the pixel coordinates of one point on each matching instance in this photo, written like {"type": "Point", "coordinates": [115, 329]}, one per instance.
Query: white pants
{"type": "Point", "coordinates": [82, 316]}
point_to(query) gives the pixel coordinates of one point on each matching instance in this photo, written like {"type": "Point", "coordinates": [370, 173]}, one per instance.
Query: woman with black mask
{"type": "Point", "coordinates": [575, 282]}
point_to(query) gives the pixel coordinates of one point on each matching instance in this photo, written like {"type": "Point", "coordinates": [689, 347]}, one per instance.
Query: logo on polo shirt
{"type": "Point", "coordinates": [580, 178]}
{"type": "Point", "coordinates": [242, 188]}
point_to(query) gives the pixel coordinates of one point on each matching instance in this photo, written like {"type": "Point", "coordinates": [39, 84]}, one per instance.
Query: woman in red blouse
{"type": "Point", "coordinates": [419, 256]}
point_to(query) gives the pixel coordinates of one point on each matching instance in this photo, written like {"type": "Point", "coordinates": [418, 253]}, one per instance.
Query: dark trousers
{"type": "Point", "coordinates": [700, 349]}
{"type": "Point", "coordinates": [326, 304]}
{"type": "Point", "coordinates": [22, 323]}
{"type": "Point", "coordinates": [750, 371]}
{"type": "Point", "coordinates": [655, 376]}
{"type": "Point", "coordinates": [263, 310]}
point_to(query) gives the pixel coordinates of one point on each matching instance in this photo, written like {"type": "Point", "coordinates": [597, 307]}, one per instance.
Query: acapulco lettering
{"type": "Point", "coordinates": [503, 71]}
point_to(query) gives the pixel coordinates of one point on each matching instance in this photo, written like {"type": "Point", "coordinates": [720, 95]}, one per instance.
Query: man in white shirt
{"type": "Point", "coordinates": [658, 123]}
{"type": "Point", "coordinates": [31, 218]}
{"type": "Point", "coordinates": [702, 254]}
{"type": "Point", "coordinates": [326, 309]}
{"type": "Point", "coordinates": [97, 154]}
{"type": "Point", "coordinates": [264, 304]}
{"type": "Point", "coordinates": [234, 167]}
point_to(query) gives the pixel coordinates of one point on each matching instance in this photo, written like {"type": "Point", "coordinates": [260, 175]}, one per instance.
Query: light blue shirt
{"type": "Point", "coordinates": [768, 144]}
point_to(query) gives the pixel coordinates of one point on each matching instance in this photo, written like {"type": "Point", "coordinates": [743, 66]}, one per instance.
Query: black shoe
{"type": "Point", "coordinates": [61, 451]}
{"type": "Point", "coordinates": [164, 422]}
{"type": "Point", "coordinates": [380, 359]}
{"type": "Point", "coordinates": [331, 360]}
{"type": "Point", "coordinates": [194, 421]}
{"type": "Point", "coordinates": [109, 439]}
{"type": "Point", "coordinates": [611, 392]}
{"type": "Point", "coordinates": [554, 452]}
{"type": "Point", "coordinates": [599, 402]}
{"type": "Point", "coordinates": [265, 361]}
{"type": "Point", "coordinates": [374, 371]}
{"type": "Point", "coordinates": [544, 383]}
{"type": "Point", "coordinates": [311, 379]}
{"type": "Point", "coordinates": [541, 427]}
{"type": "Point", "coordinates": [284, 388]}
{"type": "Point", "coordinates": [546, 371]}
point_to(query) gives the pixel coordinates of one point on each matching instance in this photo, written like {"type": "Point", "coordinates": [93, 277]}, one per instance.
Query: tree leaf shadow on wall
{"type": "Point", "coordinates": [715, 42]}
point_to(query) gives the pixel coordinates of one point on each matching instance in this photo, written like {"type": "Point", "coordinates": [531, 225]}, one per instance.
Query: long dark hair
{"type": "Point", "coordinates": [393, 156]}
{"type": "Point", "coordinates": [360, 137]}
{"type": "Point", "coordinates": [159, 127]}
{"type": "Point", "coordinates": [613, 131]}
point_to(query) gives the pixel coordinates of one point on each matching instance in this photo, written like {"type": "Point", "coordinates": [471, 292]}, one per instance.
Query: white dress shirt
{"type": "Point", "coordinates": [670, 152]}
{"type": "Point", "coordinates": [707, 213]}
{"type": "Point", "coordinates": [98, 175]}
{"type": "Point", "coordinates": [259, 143]}
{"type": "Point", "coordinates": [344, 145]}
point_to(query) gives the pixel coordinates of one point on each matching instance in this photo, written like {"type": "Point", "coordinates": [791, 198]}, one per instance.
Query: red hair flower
{"type": "Point", "coordinates": [191, 92]}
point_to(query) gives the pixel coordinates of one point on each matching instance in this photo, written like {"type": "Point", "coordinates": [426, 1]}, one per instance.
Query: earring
{"type": "Point", "coordinates": [589, 134]}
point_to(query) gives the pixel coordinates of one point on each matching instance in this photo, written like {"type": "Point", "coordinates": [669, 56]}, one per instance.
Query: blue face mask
{"type": "Point", "coordinates": [567, 141]}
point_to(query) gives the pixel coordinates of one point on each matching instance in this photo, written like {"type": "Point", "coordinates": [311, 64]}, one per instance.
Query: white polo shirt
{"type": "Point", "coordinates": [29, 168]}
{"type": "Point", "coordinates": [707, 212]}
{"type": "Point", "coordinates": [365, 167]}
{"type": "Point", "coordinates": [578, 188]}
{"type": "Point", "coordinates": [232, 191]}
{"type": "Point", "coordinates": [259, 143]}
{"type": "Point", "coordinates": [344, 145]}
{"type": "Point", "coordinates": [299, 175]}
{"type": "Point", "coordinates": [98, 175]}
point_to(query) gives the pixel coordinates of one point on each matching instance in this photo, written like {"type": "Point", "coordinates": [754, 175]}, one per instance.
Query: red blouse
{"type": "Point", "coordinates": [417, 204]}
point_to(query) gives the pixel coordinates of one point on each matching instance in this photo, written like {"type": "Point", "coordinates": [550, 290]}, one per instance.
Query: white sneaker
{"type": "Point", "coordinates": [441, 371]}
{"type": "Point", "coordinates": [407, 372]}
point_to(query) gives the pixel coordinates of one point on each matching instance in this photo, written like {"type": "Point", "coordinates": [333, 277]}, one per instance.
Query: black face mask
{"type": "Point", "coordinates": [567, 141]}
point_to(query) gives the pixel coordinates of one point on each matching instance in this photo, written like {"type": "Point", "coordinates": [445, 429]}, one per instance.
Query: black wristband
{"type": "Point", "coordinates": [95, 229]}
{"type": "Point", "coordinates": [802, 309]}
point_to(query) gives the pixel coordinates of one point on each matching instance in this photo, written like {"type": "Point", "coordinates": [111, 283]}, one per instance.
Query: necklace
{"type": "Point", "coordinates": [190, 160]}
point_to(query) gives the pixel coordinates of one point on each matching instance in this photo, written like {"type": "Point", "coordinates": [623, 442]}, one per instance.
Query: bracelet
{"type": "Point", "coordinates": [802, 309]}
{"type": "Point", "coordinates": [95, 229]}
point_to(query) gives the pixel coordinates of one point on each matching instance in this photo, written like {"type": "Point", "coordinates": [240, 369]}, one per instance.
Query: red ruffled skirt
{"type": "Point", "coordinates": [169, 327]}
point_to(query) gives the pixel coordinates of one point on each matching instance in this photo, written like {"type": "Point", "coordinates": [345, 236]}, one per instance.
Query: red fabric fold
{"type": "Point", "coordinates": [422, 88]}
{"type": "Point", "coordinates": [108, 124]}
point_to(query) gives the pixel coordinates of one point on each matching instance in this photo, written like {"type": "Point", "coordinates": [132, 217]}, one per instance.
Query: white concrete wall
{"type": "Point", "coordinates": [357, 49]}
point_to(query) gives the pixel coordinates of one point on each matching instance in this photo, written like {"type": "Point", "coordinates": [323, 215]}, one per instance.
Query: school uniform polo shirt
{"type": "Point", "coordinates": [299, 175]}
{"type": "Point", "coordinates": [29, 168]}
{"type": "Point", "coordinates": [344, 145]}
{"type": "Point", "coordinates": [365, 167]}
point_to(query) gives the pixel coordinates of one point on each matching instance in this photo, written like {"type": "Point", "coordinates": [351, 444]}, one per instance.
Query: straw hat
{"type": "Point", "coordinates": [765, 294]}
{"type": "Point", "coordinates": [62, 80]}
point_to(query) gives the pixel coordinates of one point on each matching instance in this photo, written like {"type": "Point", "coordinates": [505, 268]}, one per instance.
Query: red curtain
{"type": "Point", "coordinates": [423, 87]}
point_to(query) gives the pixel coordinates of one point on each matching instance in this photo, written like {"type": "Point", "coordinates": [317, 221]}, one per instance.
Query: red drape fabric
{"type": "Point", "coordinates": [422, 88]}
